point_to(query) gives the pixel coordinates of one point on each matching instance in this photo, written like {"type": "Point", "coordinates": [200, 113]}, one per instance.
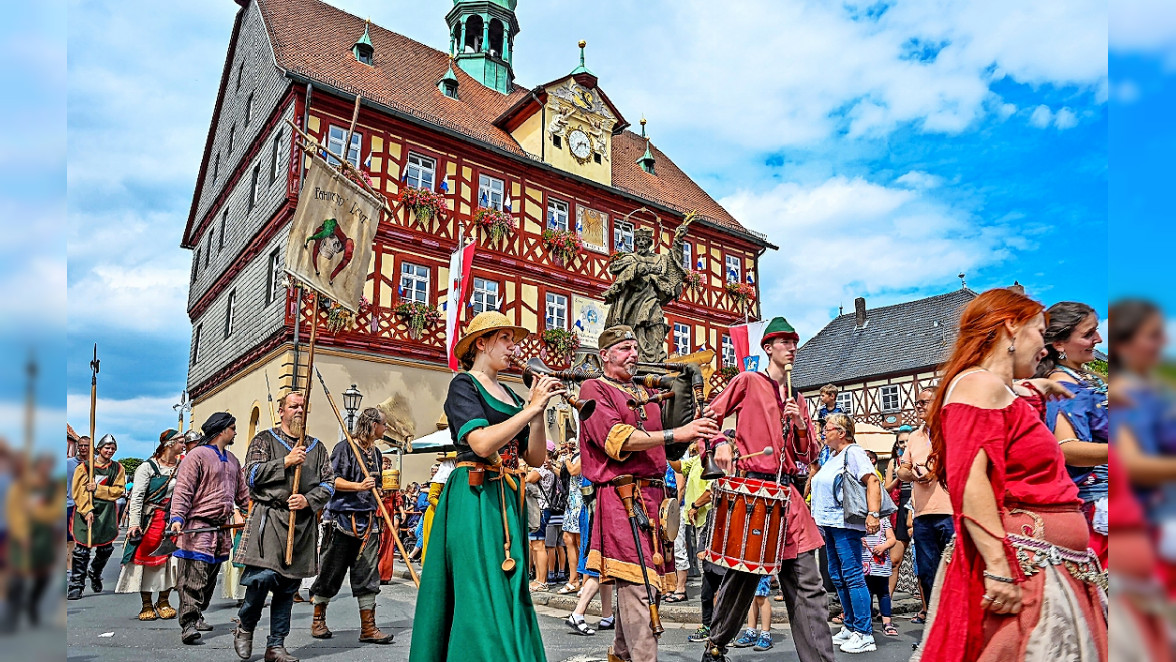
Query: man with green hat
{"type": "Point", "coordinates": [95, 520]}
{"type": "Point", "coordinates": [768, 415]}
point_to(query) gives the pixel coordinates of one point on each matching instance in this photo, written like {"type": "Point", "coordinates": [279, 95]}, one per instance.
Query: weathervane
{"type": "Point", "coordinates": [963, 283]}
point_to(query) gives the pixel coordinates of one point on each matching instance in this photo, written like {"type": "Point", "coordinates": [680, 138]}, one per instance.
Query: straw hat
{"type": "Point", "coordinates": [484, 323]}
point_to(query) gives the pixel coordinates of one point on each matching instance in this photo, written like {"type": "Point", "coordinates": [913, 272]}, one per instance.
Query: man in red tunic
{"type": "Point", "coordinates": [619, 444]}
{"type": "Point", "coordinates": [767, 416]}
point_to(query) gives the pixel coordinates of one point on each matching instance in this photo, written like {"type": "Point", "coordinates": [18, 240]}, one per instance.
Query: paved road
{"type": "Point", "coordinates": [105, 627]}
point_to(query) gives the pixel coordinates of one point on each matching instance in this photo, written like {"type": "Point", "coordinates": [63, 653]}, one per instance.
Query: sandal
{"type": "Point", "coordinates": [537, 586]}
{"type": "Point", "coordinates": [148, 614]}
{"type": "Point", "coordinates": [779, 596]}
{"type": "Point", "coordinates": [165, 610]}
{"type": "Point", "coordinates": [570, 587]}
{"type": "Point", "coordinates": [890, 630]}
{"type": "Point", "coordinates": [674, 597]}
{"type": "Point", "coordinates": [920, 619]}
{"type": "Point", "coordinates": [579, 626]}
{"type": "Point", "coordinates": [838, 619]}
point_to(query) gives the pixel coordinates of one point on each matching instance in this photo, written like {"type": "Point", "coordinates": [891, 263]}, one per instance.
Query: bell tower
{"type": "Point", "coordinates": [481, 40]}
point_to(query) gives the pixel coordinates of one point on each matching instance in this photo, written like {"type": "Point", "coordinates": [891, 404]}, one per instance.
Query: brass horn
{"type": "Point", "coordinates": [535, 366]}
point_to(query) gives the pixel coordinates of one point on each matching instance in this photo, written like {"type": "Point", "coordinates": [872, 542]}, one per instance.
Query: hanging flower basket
{"type": "Point", "coordinates": [563, 245]}
{"type": "Point", "coordinates": [740, 293]}
{"type": "Point", "coordinates": [424, 204]}
{"type": "Point", "coordinates": [338, 317]}
{"type": "Point", "coordinates": [418, 316]}
{"type": "Point", "coordinates": [561, 343]}
{"type": "Point", "coordinates": [495, 223]}
{"type": "Point", "coordinates": [693, 280]}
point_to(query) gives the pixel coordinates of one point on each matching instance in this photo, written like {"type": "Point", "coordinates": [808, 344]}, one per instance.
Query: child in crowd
{"type": "Point", "coordinates": [878, 567]}
{"type": "Point", "coordinates": [761, 611]}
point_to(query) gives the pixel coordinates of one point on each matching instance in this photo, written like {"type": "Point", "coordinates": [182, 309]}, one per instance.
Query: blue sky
{"type": "Point", "coordinates": [885, 147]}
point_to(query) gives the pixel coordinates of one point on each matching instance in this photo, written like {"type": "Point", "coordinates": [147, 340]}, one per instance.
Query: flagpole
{"type": "Point", "coordinates": [306, 420]}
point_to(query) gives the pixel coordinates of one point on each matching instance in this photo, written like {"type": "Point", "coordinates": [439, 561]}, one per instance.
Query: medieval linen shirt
{"type": "Point", "coordinates": [208, 486]}
{"type": "Point", "coordinates": [353, 511]}
{"type": "Point", "coordinates": [754, 398]}
{"type": "Point", "coordinates": [264, 543]}
{"type": "Point", "coordinates": [110, 483]}
{"type": "Point", "coordinates": [612, 551]}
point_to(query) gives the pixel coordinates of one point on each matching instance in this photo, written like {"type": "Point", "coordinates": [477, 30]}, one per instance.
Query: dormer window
{"type": "Point", "coordinates": [363, 50]}
{"type": "Point", "coordinates": [364, 55]}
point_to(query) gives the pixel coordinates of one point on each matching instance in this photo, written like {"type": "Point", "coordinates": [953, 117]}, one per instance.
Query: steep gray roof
{"type": "Point", "coordinates": [905, 337]}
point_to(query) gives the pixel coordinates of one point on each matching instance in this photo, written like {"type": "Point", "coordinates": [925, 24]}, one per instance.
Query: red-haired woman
{"type": "Point", "coordinates": [1020, 583]}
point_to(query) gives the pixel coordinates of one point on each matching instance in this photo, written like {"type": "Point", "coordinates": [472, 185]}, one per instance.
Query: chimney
{"type": "Point", "coordinates": [1017, 287]}
{"type": "Point", "coordinates": [859, 305]}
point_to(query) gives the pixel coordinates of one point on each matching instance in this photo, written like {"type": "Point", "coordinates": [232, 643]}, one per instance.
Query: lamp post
{"type": "Point", "coordinates": [351, 399]}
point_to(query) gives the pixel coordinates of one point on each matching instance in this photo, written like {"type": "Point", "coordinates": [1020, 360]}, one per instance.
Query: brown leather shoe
{"type": "Point", "coordinates": [368, 631]}
{"type": "Point", "coordinates": [278, 654]}
{"type": "Point", "coordinates": [242, 642]}
{"type": "Point", "coordinates": [318, 625]}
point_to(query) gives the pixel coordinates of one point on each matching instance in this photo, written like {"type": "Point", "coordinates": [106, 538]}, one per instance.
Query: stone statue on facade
{"type": "Point", "coordinates": [644, 281]}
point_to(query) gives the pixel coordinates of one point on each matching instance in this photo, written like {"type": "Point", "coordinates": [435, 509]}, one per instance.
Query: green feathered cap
{"type": "Point", "coordinates": [779, 328]}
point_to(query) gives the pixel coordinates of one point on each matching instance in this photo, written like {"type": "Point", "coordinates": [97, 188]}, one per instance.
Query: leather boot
{"type": "Point", "coordinates": [368, 632]}
{"type": "Point", "coordinates": [613, 657]}
{"type": "Point", "coordinates": [101, 556]}
{"type": "Point", "coordinates": [278, 654]}
{"type": "Point", "coordinates": [242, 642]}
{"type": "Point", "coordinates": [77, 572]}
{"type": "Point", "coordinates": [318, 625]}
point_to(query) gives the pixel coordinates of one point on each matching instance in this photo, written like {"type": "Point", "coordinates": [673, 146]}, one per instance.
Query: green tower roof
{"type": "Point", "coordinates": [505, 4]}
{"type": "Point", "coordinates": [582, 69]}
{"type": "Point", "coordinates": [365, 40]}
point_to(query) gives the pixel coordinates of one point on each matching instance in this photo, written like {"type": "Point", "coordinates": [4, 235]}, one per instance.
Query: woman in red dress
{"type": "Point", "coordinates": [1020, 582]}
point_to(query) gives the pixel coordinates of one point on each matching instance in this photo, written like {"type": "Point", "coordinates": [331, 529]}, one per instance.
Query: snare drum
{"type": "Point", "coordinates": [749, 519]}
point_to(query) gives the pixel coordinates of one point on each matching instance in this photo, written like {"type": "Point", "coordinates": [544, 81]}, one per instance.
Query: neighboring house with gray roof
{"type": "Point", "coordinates": [880, 357]}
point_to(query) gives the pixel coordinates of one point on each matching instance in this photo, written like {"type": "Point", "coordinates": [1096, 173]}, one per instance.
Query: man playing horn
{"type": "Point", "coordinates": [623, 448]}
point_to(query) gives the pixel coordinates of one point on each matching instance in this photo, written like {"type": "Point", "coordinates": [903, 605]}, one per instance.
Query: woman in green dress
{"type": "Point", "coordinates": [474, 603]}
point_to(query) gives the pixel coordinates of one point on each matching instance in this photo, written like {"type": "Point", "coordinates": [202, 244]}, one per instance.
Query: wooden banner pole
{"type": "Point", "coordinates": [305, 420]}
{"type": "Point", "coordinates": [366, 474]}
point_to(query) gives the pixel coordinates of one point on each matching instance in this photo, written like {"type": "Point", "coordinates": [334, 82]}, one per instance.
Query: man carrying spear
{"type": "Point", "coordinates": [275, 457]}
{"type": "Point", "coordinates": [208, 487]}
{"type": "Point", "coordinates": [95, 521]}
{"type": "Point", "coordinates": [353, 536]}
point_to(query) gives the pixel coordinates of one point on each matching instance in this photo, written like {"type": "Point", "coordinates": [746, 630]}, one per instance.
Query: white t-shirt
{"type": "Point", "coordinates": [827, 510]}
{"type": "Point", "coordinates": [443, 470]}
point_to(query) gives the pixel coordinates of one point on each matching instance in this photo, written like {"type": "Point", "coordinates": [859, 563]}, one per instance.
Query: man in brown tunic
{"type": "Point", "coordinates": [270, 465]}
{"type": "Point", "coordinates": [618, 443]}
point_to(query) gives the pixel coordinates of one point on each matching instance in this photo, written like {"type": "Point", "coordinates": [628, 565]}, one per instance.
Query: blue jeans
{"type": "Point", "coordinates": [845, 569]}
{"type": "Point", "coordinates": [932, 533]}
{"type": "Point", "coordinates": [258, 583]}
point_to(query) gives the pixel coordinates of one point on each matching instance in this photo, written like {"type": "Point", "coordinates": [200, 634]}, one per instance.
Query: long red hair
{"type": "Point", "coordinates": [980, 327]}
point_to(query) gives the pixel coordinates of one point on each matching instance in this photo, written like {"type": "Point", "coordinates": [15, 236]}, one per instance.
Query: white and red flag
{"type": "Point", "coordinates": [749, 351]}
{"type": "Point", "coordinates": [459, 291]}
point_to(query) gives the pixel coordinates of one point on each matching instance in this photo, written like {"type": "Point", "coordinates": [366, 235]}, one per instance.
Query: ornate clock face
{"type": "Point", "coordinates": [581, 146]}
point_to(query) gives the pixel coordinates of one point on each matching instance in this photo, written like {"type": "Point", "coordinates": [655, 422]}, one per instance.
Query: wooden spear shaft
{"type": "Point", "coordinates": [93, 436]}
{"type": "Point", "coordinates": [366, 474]}
{"type": "Point", "coordinates": [305, 422]}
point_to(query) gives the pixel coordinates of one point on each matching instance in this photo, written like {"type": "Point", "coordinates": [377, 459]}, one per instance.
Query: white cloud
{"type": "Point", "coordinates": [1041, 117]}
{"type": "Point", "coordinates": [843, 238]}
{"type": "Point", "coordinates": [1144, 27]}
{"type": "Point", "coordinates": [134, 422]}
{"type": "Point", "coordinates": [1125, 91]}
{"type": "Point", "coordinates": [149, 297]}
{"type": "Point", "coordinates": [1006, 110]}
{"type": "Point", "coordinates": [918, 179]}
{"type": "Point", "coordinates": [1065, 119]}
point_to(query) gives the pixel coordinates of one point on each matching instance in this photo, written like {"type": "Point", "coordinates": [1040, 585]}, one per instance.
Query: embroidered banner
{"type": "Point", "coordinates": [331, 236]}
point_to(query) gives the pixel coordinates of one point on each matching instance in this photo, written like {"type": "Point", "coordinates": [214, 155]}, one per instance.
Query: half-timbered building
{"type": "Point", "coordinates": [559, 156]}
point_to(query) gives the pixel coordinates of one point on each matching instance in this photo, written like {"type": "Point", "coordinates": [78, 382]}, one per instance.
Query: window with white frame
{"type": "Point", "coordinates": [681, 339]}
{"type": "Point", "coordinates": [196, 344]}
{"type": "Point", "coordinates": [232, 138]}
{"type": "Point", "coordinates": [728, 351]}
{"type": "Point", "coordinates": [687, 257]}
{"type": "Point", "coordinates": [490, 190]}
{"type": "Point", "coordinates": [421, 172]}
{"type": "Point", "coordinates": [216, 167]}
{"type": "Point", "coordinates": [255, 186]}
{"type": "Point", "coordinates": [485, 295]}
{"type": "Point", "coordinates": [273, 282]}
{"type": "Point", "coordinates": [734, 269]}
{"type": "Point", "coordinates": [248, 109]}
{"type": "Point", "coordinates": [890, 398]}
{"type": "Point", "coordinates": [557, 215]}
{"type": "Point", "coordinates": [276, 162]}
{"type": "Point", "coordinates": [845, 402]}
{"type": "Point", "coordinates": [557, 311]}
{"type": "Point", "coordinates": [230, 312]}
{"type": "Point", "coordinates": [195, 264]}
{"type": "Point", "coordinates": [336, 135]}
{"type": "Point", "coordinates": [622, 237]}
{"type": "Point", "coordinates": [220, 244]}
{"type": "Point", "coordinates": [414, 283]}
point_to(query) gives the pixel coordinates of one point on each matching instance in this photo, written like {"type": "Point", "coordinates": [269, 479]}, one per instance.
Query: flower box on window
{"type": "Point", "coordinates": [418, 316]}
{"type": "Point", "coordinates": [338, 317]}
{"type": "Point", "coordinates": [693, 280]}
{"type": "Point", "coordinates": [560, 343]}
{"type": "Point", "coordinates": [563, 245]}
{"type": "Point", "coordinates": [495, 223]}
{"type": "Point", "coordinates": [424, 204]}
{"type": "Point", "coordinates": [740, 293]}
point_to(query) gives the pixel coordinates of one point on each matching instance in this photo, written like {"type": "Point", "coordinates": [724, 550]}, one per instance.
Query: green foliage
{"type": "Point", "coordinates": [130, 464]}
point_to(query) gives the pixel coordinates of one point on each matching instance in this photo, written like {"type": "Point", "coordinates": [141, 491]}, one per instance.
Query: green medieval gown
{"type": "Point", "coordinates": [468, 607]}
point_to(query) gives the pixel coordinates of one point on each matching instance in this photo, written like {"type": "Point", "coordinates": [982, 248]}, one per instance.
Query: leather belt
{"type": "Point", "coordinates": [642, 482]}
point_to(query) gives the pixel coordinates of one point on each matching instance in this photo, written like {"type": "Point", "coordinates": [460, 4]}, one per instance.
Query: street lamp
{"type": "Point", "coordinates": [351, 399]}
